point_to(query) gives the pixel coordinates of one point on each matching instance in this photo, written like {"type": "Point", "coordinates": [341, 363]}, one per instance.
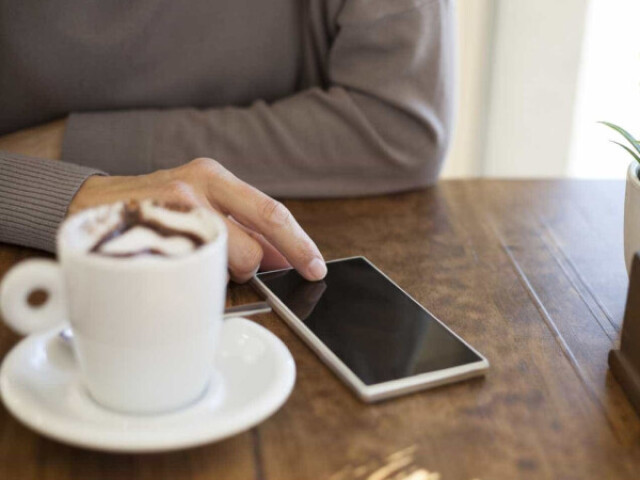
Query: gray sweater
{"type": "Point", "coordinates": [301, 98]}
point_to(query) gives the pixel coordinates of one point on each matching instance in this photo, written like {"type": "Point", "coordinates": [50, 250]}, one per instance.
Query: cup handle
{"type": "Point", "coordinates": [28, 276]}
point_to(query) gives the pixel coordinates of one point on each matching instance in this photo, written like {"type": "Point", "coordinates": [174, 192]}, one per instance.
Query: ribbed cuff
{"type": "Point", "coordinates": [119, 143]}
{"type": "Point", "coordinates": [34, 197]}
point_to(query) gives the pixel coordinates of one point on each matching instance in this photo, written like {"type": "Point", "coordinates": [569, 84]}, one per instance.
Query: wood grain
{"type": "Point", "coordinates": [531, 273]}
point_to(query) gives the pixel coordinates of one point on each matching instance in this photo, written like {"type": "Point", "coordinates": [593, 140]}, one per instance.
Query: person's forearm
{"type": "Point", "coordinates": [313, 144]}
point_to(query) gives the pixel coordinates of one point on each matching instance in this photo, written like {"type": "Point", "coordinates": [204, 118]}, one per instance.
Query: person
{"type": "Point", "coordinates": [292, 98]}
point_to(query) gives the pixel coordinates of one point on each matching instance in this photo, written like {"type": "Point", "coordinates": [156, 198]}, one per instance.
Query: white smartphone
{"type": "Point", "coordinates": [369, 331]}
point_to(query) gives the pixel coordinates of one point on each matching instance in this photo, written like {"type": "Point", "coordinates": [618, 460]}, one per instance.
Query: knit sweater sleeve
{"type": "Point", "coordinates": [34, 197]}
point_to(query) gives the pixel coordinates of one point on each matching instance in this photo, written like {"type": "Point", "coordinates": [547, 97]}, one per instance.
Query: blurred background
{"type": "Point", "coordinates": [535, 77]}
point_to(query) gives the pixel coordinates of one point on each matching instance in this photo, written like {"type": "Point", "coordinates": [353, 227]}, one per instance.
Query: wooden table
{"type": "Point", "coordinates": [529, 272]}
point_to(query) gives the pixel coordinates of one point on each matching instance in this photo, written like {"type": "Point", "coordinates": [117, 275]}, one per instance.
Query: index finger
{"type": "Point", "coordinates": [272, 219]}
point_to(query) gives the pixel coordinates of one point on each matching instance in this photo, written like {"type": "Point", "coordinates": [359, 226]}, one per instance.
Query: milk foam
{"type": "Point", "coordinates": [142, 240]}
{"type": "Point", "coordinates": [185, 221]}
{"type": "Point", "coordinates": [161, 230]}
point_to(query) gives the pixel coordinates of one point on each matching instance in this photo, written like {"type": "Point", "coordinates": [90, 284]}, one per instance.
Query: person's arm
{"type": "Point", "coordinates": [383, 124]}
{"type": "Point", "coordinates": [36, 194]}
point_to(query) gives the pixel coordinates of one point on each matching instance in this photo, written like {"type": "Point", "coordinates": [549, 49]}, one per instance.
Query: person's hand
{"type": "Point", "coordinates": [44, 141]}
{"type": "Point", "coordinates": [261, 230]}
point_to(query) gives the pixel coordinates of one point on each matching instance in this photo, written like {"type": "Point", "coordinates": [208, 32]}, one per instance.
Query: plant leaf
{"type": "Point", "coordinates": [634, 143]}
{"type": "Point", "coordinates": [628, 150]}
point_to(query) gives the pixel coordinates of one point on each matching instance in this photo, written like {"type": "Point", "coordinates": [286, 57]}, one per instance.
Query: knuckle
{"type": "Point", "coordinates": [180, 191]}
{"type": "Point", "coordinates": [274, 213]}
{"type": "Point", "coordinates": [306, 251]}
{"type": "Point", "coordinates": [202, 162]}
{"type": "Point", "coordinates": [204, 165]}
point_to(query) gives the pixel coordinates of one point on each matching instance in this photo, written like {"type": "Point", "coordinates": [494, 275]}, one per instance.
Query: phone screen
{"type": "Point", "coordinates": [378, 331]}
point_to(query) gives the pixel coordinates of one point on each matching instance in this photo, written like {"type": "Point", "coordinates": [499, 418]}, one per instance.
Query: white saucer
{"type": "Point", "coordinates": [40, 386]}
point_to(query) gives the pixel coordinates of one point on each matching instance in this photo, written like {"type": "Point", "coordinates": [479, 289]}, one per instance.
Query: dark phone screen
{"type": "Point", "coordinates": [370, 324]}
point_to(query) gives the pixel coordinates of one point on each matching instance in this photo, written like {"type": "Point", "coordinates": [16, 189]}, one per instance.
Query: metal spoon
{"type": "Point", "coordinates": [249, 309]}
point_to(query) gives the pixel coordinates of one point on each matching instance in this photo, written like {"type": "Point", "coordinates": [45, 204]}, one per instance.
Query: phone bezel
{"type": "Point", "coordinates": [378, 391]}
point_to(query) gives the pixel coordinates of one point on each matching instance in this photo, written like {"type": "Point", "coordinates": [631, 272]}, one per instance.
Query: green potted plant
{"type": "Point", "coordinates": [632, 196]}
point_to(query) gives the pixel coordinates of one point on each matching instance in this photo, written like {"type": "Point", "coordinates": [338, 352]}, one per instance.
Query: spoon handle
{"type": "Point", "coordinates": [246, 310]}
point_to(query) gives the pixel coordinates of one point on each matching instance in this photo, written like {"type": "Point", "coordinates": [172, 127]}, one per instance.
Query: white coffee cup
{"type": "Point", "coordinates": [145, 327]}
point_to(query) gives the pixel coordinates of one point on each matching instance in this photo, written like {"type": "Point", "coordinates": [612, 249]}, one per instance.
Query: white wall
{"type": "Point", "coordinates": [475, 37]}
{"type": "Point", "coordinates": [608, 89]}
{"type": "Point", "coordinates": [536, 63]}
{"type": "Point", "coordinates": [519, 65]}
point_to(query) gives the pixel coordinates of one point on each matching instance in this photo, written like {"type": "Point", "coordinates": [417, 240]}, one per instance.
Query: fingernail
{"type": "Point", "coordinates": [317, 269]}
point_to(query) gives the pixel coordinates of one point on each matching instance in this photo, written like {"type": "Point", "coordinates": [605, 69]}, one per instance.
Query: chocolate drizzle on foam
{"type": "Point", "coordinates": [133, 216]}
